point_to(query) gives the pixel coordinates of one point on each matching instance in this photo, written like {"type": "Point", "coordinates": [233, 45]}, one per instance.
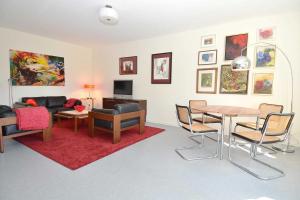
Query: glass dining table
{"type": "Point", "coordinates": [228, 111]}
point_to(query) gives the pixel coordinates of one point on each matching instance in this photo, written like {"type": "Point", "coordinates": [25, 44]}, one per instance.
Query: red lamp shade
{"type": "Point", "coordinates": [89, 86]}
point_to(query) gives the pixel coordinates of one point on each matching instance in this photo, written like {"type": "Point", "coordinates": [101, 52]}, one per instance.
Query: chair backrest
{"type": "Point", "coordinates": [194, 104]}
{"type": "Point", "coordinates": [277, 124]}
{"type": "Point", "coordinates": [183, 114]}
{"type": "Point", "coordinates": [266, 109]}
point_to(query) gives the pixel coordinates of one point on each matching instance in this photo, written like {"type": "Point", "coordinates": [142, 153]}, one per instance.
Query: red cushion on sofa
{"type": "Point", "coordinates": [31, 102]}
{"type": "Point", "coordinates": [70, 103]}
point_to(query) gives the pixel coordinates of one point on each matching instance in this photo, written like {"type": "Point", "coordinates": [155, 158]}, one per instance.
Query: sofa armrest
{"type": "Point", "coordinates": [20, 105]}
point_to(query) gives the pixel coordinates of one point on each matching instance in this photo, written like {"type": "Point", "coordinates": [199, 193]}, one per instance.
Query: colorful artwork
{"type": "Point", "coordinates": [208, 41]}
{"type": "Point", "coordinates": [35, 69]}
{"type": "Point", "coordinates": [128, 65]}
{"type": "Point", "coordinates": [161, 68]}
{"type": "Point", "coordinates": [263, 83]}
{"type": "Point", "coordinates": [207, 80]}
{"type": "Point", "coordinates": [207, 57]}
{"type": "Point", "coordinates": [265, 56]}
{"type": "Point", "coordinates": [266, 33]}
{"type": "Point", "coordinates": [234, 45]}
{"type": "Point", "coordinates": [233, 82]}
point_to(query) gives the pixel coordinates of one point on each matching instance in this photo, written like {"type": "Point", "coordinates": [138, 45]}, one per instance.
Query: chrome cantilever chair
{"type": "Point", "coordinates": [275, 129]}
{"type": "Point", "coordinates": [206, 118]}
{"type": "Point", "coordinates": [264, 109]}
{"type": "Point", "coordinates": [196, 129]}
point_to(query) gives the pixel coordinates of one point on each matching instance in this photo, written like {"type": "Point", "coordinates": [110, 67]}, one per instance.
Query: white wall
{"type": "Point", "coordinates": [78, 65]}
{"type": "Point", "coordinates": [185, 46]}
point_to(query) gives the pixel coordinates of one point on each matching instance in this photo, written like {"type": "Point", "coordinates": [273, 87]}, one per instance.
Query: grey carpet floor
{"type": "Point", "coordinates": [148, 170]}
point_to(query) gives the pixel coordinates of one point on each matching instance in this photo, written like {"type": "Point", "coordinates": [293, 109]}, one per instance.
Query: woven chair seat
{"type": "Point", "coordinates": [255, 136]}
{"type": "Point", "coordinates": [207, 120]}
{"type": "Point", "coordinates": [251, 125]}
{"type": "Point", "coordinates": [199, 128]}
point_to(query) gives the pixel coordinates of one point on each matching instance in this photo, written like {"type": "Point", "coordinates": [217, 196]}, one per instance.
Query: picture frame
{"type": "Point", "coordinates": [161, 68]}
{"type": "Point", "coordinates": [263, 83]}
{"type": "Point", "coordinates": [267, 33]}
{"type": "Point", "coordinates": [233, 82]}
{"type": "Point", "coordinates": [207, 57]}
{"type": "Point", "coordinates": [207, 80]}
{"type": "Point", "coordinates": [208, 40]}
{"type": "Point", "coordinates": [128, 65]}
{"type": "Point", "coordinates": [234, 44]}
{"type": "Point", "coordinates": [265, 56]}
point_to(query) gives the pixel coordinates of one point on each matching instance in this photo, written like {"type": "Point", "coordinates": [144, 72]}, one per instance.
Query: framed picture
{"type": "Point", "coordinates": [35, 69]}
{"type": "Point", "coordinates": [233, 82]}
{"type": "Point", "coordinates": [207, 57]}
{"type": "Point", "coordinates": [263, 83]}
{"type": "Point", "coordinates": [234, 45]}
{"type": "Point", "coordinates": [128, 65]}
{"type": "Point", "coordinates": [161, 68]}
{"type": "Point", "coordinates": [266, 33]}
{"type": "Point", "coordinates": [207, 80]}
{"type": "Point", "coordinates": [265, 56]}
{"type": "Point", "coordinates": [208, 41]}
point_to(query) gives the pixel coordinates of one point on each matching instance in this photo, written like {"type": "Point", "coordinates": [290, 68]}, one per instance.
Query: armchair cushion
{"type": "Point", "coordinates": [9, 129]}
{"type": "Point", "coordinates": [127, 107]}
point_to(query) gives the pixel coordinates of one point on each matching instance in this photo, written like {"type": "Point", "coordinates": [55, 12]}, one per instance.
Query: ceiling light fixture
{"type": "Point", "coordinates": [108, 15]}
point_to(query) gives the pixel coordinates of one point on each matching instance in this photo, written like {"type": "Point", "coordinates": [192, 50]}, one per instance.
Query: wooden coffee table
{"type": "Point", "coordinates": [72, 114]}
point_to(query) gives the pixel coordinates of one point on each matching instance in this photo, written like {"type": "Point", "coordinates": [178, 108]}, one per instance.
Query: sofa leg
{"type": "Point", "coordinates": [142, 122]}
{"type": "Point", "coordinates": [1, 141]}
{"type": "Point", "coordinates": [116, 136]}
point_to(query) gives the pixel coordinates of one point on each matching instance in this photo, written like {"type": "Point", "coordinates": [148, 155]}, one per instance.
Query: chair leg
{"type": "Point", "coordinates": [253, 154]}
{"type": "Point", "coordinates": [198, 146]}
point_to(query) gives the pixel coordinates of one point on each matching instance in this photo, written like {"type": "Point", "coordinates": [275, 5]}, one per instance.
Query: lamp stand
{"type": "Point", "coordinates": [10, 94]}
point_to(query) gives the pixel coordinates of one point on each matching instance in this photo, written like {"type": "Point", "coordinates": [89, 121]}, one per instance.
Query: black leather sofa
{"type": "Point", "coordinates": [54, 104]}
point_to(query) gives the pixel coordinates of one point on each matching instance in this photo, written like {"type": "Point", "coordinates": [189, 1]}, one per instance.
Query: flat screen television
{"type": "Point", "coordinates": [123, 87]}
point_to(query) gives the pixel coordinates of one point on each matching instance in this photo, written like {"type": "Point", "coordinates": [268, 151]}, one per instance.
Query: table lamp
{"type": "Point", "coordinates": [90, 87]}
{"type": "Point", "coordinates": [243, 63]}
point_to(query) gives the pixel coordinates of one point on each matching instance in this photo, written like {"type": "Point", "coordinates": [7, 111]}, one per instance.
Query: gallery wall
{"type": "Point", "coordinates": [162, 98]}
{"type": "Point", "coordinates": [78, 65]}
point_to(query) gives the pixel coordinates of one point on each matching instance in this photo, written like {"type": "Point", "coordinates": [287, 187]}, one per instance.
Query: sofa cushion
{"type": "Point", "coordinates": [41, 101]}
{"type": "Point", "coordinates": [56, 101]}
{"type": "Point", "coordinates": [106, 111]}
{"type": "Point", "coordinates": [109, 125]}
{"type": "Point", "coordinates": [9, 129]}
{"type": "Point", "coordinates": [127, 107]}
{"type": "Point", "coordinates": [4, 109]}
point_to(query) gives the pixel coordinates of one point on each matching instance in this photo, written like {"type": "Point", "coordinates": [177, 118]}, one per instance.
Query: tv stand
{"type": "Point", "coordinates": [108, 103]}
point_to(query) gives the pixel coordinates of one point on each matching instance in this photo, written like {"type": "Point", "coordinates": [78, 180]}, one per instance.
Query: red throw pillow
{"type": "Point", "coordinates": [70, 103]}
{"type": "Point", "coordinates": [31, 102]}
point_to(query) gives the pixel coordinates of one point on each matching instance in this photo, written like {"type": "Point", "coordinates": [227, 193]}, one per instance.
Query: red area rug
{"type": "Point", "coordinates": [74, 150]}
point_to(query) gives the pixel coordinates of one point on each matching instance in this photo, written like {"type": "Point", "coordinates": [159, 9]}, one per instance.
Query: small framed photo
{"type": "Point", "coordinates": [208, 41]}
{"type": "Point", "coordinates": [128, 65]}
{"type": "Point", "coordinates": [207, 57]}
{"type": "Point", "coordinates": [207, 80]}
{"type": "Point", "coordinates": [268, 33]}
{"type": "Point", "coordinates": [265, 56]}
{"type": "Point", "coordinates": [263, 83]}
{"type": "Point", "coordinates": [161, 71]}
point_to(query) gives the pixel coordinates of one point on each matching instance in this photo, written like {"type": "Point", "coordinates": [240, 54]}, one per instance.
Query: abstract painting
{"type": "Point", "coordinates": [161, 68]}
{"type": "Point", "coordinates": [233, 82]}
{"type": "Point", "coordinates": [128, 65]}
{"type": "Point", "coordinates": [34, 69]}
{"type": "Point", "coordinates": [265, 56]}
{"type": "Point", "coordinates": [263, 83]}
{"type": "Point", "coordinates": [207, 80]}
{"type": "Point", "coordinates": [208, 41]}
{"type": "Point", "coordinates": [266, 33]}
{"type": "Point", "coordinates": [207, 57]}
{"type": "Point", "coordinates": [234, 45]}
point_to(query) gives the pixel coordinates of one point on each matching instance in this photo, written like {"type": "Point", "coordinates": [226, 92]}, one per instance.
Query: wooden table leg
{"type": "Point", "coordinates": [75, 124]}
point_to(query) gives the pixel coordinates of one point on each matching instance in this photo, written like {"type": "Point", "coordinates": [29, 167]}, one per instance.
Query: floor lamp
{"type": "Point", "coordinates": [243, 63]}
{"type": "Point", "coordinates": [10, 94]}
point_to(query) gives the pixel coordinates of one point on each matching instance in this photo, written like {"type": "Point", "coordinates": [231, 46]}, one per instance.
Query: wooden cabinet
{"type": "Point", "coordinates": [110, 102]}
